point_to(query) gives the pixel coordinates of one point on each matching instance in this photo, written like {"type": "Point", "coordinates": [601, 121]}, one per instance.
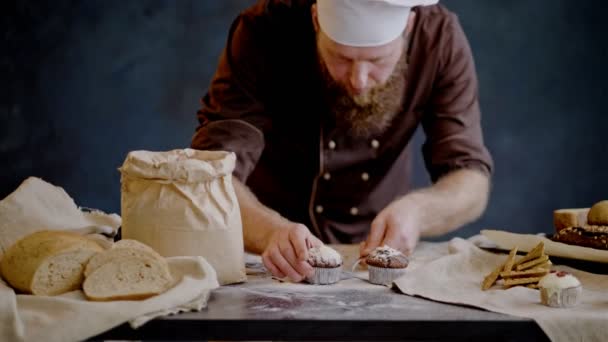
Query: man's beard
{"type": "Point", "coordinates": [367, 114]}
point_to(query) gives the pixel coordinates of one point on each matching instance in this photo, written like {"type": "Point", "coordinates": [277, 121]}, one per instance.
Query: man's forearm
{"type": "Point", "coordinates": [259, 221]}
{"type": "Point", "coordinates": [458, 198]}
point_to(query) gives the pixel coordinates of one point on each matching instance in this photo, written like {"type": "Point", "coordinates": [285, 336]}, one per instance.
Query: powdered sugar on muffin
{"type": "Point", "coordinates": [323, 256]}
{"type": "Point", "coordinates": [326, 263]}
{"type": "Point", "coordinates": [387, 257]}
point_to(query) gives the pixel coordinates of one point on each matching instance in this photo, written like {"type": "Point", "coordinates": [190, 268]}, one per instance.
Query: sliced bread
{"type": "Point", "coordinates": [129, 270]}
{"type": "Point", "coordinates": [123, 250]}
{"type": "Point", "coordinates": [132, 278]}
{"type": "Point", "coordinates": [567, 218]}
{"type": "Point", "coordinates": [48, 262]}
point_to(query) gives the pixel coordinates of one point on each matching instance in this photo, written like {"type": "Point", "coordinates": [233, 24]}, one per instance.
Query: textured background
{"type": "Point", "coordinates": [84, 82]}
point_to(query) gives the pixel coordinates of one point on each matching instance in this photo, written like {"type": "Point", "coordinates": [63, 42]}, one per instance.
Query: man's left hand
{"type": "Point", "coordinates": [397, 226]}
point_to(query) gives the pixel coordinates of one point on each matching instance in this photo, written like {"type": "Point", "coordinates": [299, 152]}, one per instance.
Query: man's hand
{"type": "Point", "coordinates": [286, 253]}
{"type": "Point", "coordinates": [283, 244]}
{"type": "Point", "coordinates": [396, 226]}
{"type": "Point", "coordinates": [456, 199]}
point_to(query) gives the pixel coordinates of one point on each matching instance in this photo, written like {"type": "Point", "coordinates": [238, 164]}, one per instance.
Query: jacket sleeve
{"type": "Point", "coordinates": [452, 122]}
{"type": "Point", "coordinates": [232, 115]}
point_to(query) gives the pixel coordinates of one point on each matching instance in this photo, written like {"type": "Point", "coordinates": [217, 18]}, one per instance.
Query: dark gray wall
{"type": "Point", "coordinates": [84, 82]}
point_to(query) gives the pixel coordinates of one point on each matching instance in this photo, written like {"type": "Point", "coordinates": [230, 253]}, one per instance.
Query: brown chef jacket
{"type": "Point", "coordinates": [266, 104]}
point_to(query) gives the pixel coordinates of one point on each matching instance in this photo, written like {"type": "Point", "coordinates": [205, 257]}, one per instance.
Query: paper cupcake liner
{"type": "Point", "coordinates": [563, 298]}
{"type": "Point", "coordinates": [325, 276]}
{"type": "Point", "coordinates": [383, 275]}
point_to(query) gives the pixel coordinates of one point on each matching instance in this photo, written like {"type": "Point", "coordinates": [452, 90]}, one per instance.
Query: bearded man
{"type": "Point", "coordinates": [320, 99]}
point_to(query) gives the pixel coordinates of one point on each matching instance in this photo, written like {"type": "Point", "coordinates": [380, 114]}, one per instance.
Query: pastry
{"type": "Point", "coordinates": [327, 265]}
{"type": "Point", "coordinates": [560, 289]}
{"type": "Point", "coordinates": [385, 264]}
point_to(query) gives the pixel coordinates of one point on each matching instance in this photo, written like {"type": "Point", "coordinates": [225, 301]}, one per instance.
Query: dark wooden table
{"type": "Point", "coordinates": [266, 309]}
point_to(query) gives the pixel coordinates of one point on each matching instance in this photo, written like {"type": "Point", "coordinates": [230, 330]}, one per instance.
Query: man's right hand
{"type": "Point", "coordinates": [286, 253]}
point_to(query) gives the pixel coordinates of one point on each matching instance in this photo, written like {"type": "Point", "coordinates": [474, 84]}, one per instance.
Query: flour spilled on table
{"type": "Point", "coordinates": [259, 277]}
{"type": "Point", "coordinates": [349, 297]}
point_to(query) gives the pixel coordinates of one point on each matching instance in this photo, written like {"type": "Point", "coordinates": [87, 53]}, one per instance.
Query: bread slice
{"type": "Point", "coordinates": [48, 262]}
{"type": "Point", "coordinates": [566, 218]}
{"type": "Point", "coordinates": [127, 279]}
{"type": "Point", "coordinates": [122, 250]}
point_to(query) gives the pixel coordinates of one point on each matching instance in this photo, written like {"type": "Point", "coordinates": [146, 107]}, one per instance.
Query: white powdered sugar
{"type": "Point", "coordinates": [384, 253]}
{"type": "Point", "coordinates": [324, 256]}
{"type": "Point", "coordinates": [386, 250]}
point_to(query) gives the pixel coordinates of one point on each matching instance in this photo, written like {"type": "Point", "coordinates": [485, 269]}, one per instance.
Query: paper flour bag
{"type": "Point", "coordinates": [182, 203]}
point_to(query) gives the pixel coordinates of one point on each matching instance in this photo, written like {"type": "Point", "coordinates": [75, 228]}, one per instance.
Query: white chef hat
{"type": "Point", "coordinates": [365, 22]}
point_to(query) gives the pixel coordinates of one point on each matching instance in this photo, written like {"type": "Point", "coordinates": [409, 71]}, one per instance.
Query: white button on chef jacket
{"type": "Point", "coordinates": [365, 176]}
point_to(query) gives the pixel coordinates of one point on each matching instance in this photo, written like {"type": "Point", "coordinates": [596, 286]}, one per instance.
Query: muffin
{"type": "Point", "coordinates": [385, 264]}
{"type": "Point", "coordinates": [327, 265]}
{"type": "Point", "coordinates": [560, 290]}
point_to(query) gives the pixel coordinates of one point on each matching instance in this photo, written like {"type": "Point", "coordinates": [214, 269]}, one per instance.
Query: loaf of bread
{"type": "Point", "coordinates": [125, 249]}
{"type": "Point", "coordinates": [129, 270]}
{"type": "Point", "coordinates": [592, 233]}
{"type": "Point", "coordinates": [48, 262]}
{"type": "Point", "coordinates": [598, 214]}
{"type": "Point", "coordinates": [566, 218]}
{"type": "Point", "coordinates": [131, 279]}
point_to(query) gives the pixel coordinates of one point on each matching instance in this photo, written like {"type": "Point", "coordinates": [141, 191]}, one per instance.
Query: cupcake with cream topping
{"type": "Point", "coordinates": [560, 290]}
